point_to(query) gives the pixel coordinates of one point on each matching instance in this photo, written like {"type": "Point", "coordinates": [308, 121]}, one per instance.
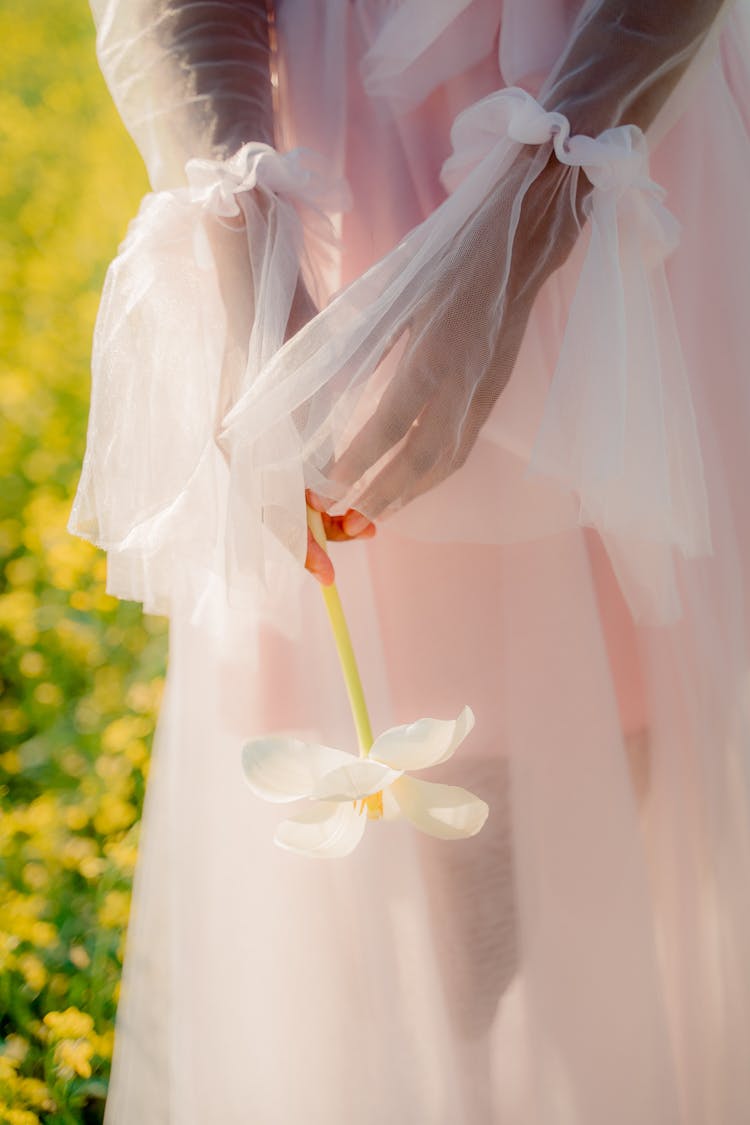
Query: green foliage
{"type": "Point", "coordinates": [80, 673]}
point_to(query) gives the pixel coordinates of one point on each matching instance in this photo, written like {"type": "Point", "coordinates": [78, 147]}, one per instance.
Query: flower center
{"type": "Point", "coordinates": [373, 804]}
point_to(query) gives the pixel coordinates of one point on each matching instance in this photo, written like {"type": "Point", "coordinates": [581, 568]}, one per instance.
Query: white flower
{"type": "Point", "coordinates": [345, 790]}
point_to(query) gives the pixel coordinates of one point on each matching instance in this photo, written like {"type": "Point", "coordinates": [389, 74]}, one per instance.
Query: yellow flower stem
{"type": "Point", "coordinates": [343, 645]}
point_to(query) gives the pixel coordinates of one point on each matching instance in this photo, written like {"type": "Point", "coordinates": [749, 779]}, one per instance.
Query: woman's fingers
{"type": "Point", "coordinates": [352, 525]}
{"type": "Point", "coordinates": [316, 502]}
{"type": "Point", "coordinates": [357, 526]}
{"type": "Point", "coordinates": [318, 562]}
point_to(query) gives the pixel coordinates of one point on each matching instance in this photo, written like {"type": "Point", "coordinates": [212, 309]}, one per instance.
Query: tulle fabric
{"type": "Point", "coordinates": [226, 250]}
{"type": "Point", "coordinates": [618, 426]}
{"type": "Point", "coordinates": [584, 959]}
{"type": "Point", "coordinates": [428, 336]}
{"type": "Point", "coordinates": [178, 95]}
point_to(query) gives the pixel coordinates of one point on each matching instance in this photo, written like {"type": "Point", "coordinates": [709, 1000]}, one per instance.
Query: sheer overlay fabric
{"type": "Point", "coordinates": [479, 269]}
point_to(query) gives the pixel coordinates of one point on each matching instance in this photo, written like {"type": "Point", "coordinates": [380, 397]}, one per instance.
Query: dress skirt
{"type": "Point", "coordinates": [585, 959]}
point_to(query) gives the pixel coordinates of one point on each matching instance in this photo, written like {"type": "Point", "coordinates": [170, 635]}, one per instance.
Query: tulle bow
{"type": "Point", "coordinates": [299, 174]}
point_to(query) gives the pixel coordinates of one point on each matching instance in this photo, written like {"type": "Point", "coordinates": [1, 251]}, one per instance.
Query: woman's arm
{"type": "Point", "coordinates": [621, 63]}
{"type": "Point", "coordinates": [191, 78]}
{"type": "Point", "coordinates": [623, 60]}
{"type": "Point", "coordinates": [219, 52]}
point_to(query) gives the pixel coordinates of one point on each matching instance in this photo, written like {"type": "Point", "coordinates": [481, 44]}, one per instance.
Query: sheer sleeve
{"type": "Point", "coordinates": [214, 273]}
{"type": "Point", "coordinates": [391, 385]}
{"type": "Point", "coordinates": [191, 78]}
{"type": "Point", "coordinates": [625, 58]}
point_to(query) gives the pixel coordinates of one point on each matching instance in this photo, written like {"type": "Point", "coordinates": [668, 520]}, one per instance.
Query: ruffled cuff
{"type": "Point", "coordinates": [618, 428]}
{"type": "Point", "coordinates": [197, 300]}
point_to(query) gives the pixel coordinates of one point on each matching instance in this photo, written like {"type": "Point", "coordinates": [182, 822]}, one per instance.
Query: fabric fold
{"type": "Point", "coordinates": [619, 427]}
{"type": "Point", "coordinates": [420, 47]}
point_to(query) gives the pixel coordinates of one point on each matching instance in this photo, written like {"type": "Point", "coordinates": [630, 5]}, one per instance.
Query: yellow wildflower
{"type": "Point", "coordinates": [114, 769]}
{"type": "Point", "coordinates": [137, 753]}
{"type": "Point", "coordinates": [10, 537]}
{"type": "Point", "coordinates": [8, 943]}
{"type": "Point", "coordinates": [78, 641]}
{"type": "Point", "coordinates": [33, 971]}
{"type": "Point", "coordinates": [36, 875]}
{"type": "Point", "coordinates": [13, 1116]}
{"type": "Point", "coordinates": [16, 1047]}
{"type": "Point", "coordinates": [36, 1093]}
{"type": "Point", "coordinates": [146, 697]}
{"type": "Point", "coordinates": [11, 762]}
{"type": "Point", "coordinates": [75, 850]}
{"type": "Point", "coordinates": [20, 919]}
{"type": "Point", "coordinates": [113, 814]}
{"type": "Point", "coordinates": [43, 934]}
{"type": "Point", "coordinates": [39, 816]}
{"type": "Point", "coordinates": [70, 1024]}
{"type": "Point", "coordinates": [22, 571]}
{"type": "Point", "coordinates": [92, 867]}
{"type": "Point", "coordinates": [79, 956]}
{"type": "Point", "coordinates": [73, 1056]}
{"type": "Point", "coordinates": [119, 734]}
{"type": "Point", "coordinates": [8, 1068]}
{"type": "Point", "coordinates": [76, 816]}
{"type": "Point", "coordinates": [12, 720]}
{"type": "Point", "coordinates": [32, 664]}
{"type": "Point", "coordinates": [81, 599]}
{"type": "Point", "coordinates": [122, 853]}
{"type": "Point", "coordinates": [48, 694]}
{"type": "Point", "coordinates": [114, 911]}
{"type": "Point", "coordinates": [17, 608]}
{"type": "Point", "coordinates": [104, 1043]}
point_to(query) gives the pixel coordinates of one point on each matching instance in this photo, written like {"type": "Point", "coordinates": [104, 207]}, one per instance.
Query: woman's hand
{"type": "Point", "coordinates": [352, 525]}
{"type": "Point", "coordinates": [463, 337]}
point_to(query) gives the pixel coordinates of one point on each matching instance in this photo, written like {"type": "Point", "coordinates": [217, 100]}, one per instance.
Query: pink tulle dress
{"type": "Point", "coordinates": [585, 959]}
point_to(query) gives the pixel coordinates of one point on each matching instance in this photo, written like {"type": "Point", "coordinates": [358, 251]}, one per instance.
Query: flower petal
{"type": "Point", "coordinates": [391, 810]}
{"type": "Point", "coordinates": [446, 811]}
{"type": "Point", "coordinates": [358, 778]}
{"type": "Point", "coordinates": [322, 829]}
{"type": "Point", "coordinates": [427, 742]}
{"type": "Point", "coordinates": [281, 768]}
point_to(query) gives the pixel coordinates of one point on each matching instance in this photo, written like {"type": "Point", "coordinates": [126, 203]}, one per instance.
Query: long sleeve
{"type": "Point", "coordinates": [391, 385]}
{"type": "Point", "coordinates": [625, 58]}
{"type": "Point", "coordinates": [191, 78]}
{"type": "Point", "coordinates": [216, 270]}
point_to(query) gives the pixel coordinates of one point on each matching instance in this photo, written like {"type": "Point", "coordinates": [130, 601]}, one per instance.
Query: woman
{"type": "Point", "coordinates": [572, 557]}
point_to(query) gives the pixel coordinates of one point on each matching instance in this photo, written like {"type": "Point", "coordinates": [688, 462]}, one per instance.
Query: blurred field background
{"type": "Point", "coordinates": [80, 674]}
